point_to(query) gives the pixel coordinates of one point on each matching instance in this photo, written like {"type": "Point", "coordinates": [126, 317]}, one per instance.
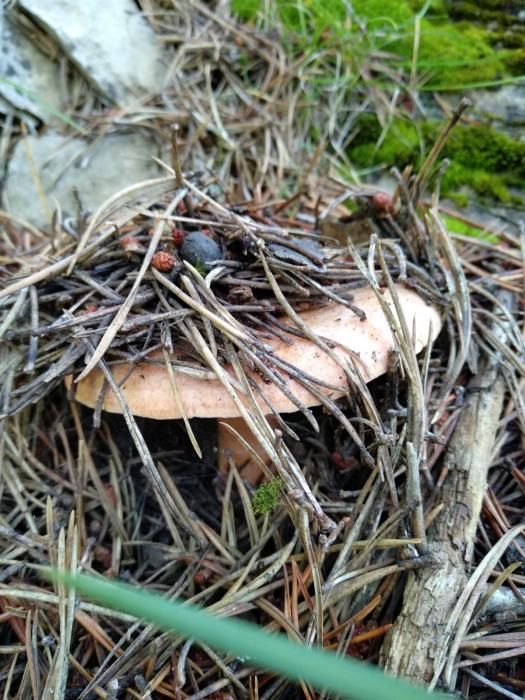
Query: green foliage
{"type": "Point", "coordinates": [455, 56]}
{"type": "Point", "coordinates": [455, 225]}
{"type": "Point", "coordinates": [480, 158]}
{"type": "Point", "coordinates": [450, 55]}
{"type": "Point", "coordinates": [497, 20]}
{"type": "Point", "coordinates": [436, 7]}
{"type": "Point", "coordinates": [201, 269]}
{"type": "Point", "coordinates": [245, 10]}
{"type": "Point", "coordinates": [460, 199]}
{"type": "Point", "coordinates": [327, 37]}
{"type": "Point", "coordinates": [266, 498]}
{"type": "Point", "coordinates": [342, 676]}
{"type": "Point", "coordinates": [489, 149]}
{"type": "Point", "coordinates": [400, 146]}
{"type": "Point", "coordinates": [486, 161]}
{"type": "Point", "coordinates": [484, 184]}
{"type": "Point", "coordinates": [500, 11]}
{"type": "Point", "coordinates": [394, 14]}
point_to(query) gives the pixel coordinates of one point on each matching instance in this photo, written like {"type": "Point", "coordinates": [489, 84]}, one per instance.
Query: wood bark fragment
{"type": "Point", "coordinates": [418, 635]}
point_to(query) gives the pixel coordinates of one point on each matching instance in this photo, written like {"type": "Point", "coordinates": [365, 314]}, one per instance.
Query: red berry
{"type": "Point", "coordinates": [342, 463]}
{"type": "Point", "coordinates": [163, 261]}
{"type": "Point", "coordinates": [88, 309]}
{"type": "Point", "coordinates": [177, 237]}
{"type": "Point", "coordinates": [382, 202]}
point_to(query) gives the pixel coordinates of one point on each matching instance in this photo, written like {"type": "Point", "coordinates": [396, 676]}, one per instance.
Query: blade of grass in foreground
{"type": "Point", "coordinates": [349, 679]}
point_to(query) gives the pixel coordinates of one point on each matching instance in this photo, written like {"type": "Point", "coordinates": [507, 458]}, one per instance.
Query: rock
{"type": "Point", "coordinates": [198, 249]}
{"type": "Point", "coordinates": [44, 170]}
{"type": "Point", "coordinates": [30, 81]}
{"type": "Point", "coordinates": [506, 103]}
{"type": "Point", "coordinates": [496, 217]}
{"type": "Point", "coordinates": [110, 42]}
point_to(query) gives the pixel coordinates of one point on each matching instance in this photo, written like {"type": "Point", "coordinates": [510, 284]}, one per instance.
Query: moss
{"type": "Point", "coordinates": [451, 55]}
{"type": "Point", "coordinates": [436, 7]}
{"type": "Point", "coordinates": [457, 54]}
{"type": "Point", "coordinates": [484, 184]}
{"type": "Point", "coordinates": [400, 147]}
{"type": "Point", "coordinates": [455, 225]}
{"type": "Point", "coordinates": [246, 10]}
{"type": "Point", "coordinates": [501, 10]}
{"type": "Point", "coordinates": [497, 20]}
{"type": "Point", "coordinates": [387, 13]}
{"type": "Point", "coordinates": [460, 199]}
{"type": "Point", "coordinates": [307, 20]}
{"type": "Point", "coordinates": [489, 149]}
{"type": "Point", "coordinates": [487, 162]}
{"type": "Point", "coordinates": [515, 60]}
{"type": "Point", "coordinates": [474, 13]}
{"type": "Point", "coordinates": [266, 498]}
{"type": "Point", "coordinates": [391, 153]}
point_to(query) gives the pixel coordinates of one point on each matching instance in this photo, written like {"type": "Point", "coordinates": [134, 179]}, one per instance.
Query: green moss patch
{"type": "Point", "coordinates": [451, 55]}
{"type": "Point", "coordinates": [455, 225]}
{"type": "Point", "coordinates": [487, 162]}
{"type": "Point", "coordinates": [266, 498]}
{"type": "Point", "coordinates": [332, 36]}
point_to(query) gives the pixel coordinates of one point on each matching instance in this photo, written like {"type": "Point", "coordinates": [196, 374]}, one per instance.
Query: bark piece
{"type": "Point", "coordinates": [419, 633]}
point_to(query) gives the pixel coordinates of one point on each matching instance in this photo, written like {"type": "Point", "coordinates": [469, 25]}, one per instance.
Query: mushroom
{"type": "Point", "coordinates": [365, 344]}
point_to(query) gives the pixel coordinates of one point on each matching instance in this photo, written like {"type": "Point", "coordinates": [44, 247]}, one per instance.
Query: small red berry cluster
{"type": "Point", "coordinates": [163, 260]}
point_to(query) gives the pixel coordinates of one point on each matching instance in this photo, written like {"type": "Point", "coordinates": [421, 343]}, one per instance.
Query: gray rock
{"type": "Point", "coordinates": [495, 216]}
{"type": "Point", "coordinates": [506, 103]}
{"type": "Point", "coordinates": [30, 81]}
{"type": "Point", "coordinates": [109, 41]}
{"type": "Point", "coordinates": [43, 171]}
{"type": "Point", "coordinates": [198, 249]}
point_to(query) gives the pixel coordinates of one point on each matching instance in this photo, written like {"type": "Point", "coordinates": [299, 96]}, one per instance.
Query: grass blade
{"type": "Point", "coordinates": [322, 669]}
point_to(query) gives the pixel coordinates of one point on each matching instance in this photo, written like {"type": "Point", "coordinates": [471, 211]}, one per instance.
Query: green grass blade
{"type": "Point", "coordinates": [322, 669]}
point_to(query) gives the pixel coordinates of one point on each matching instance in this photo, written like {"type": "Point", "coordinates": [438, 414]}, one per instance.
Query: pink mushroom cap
{"type": "Point", "coordinates": [362, 344]}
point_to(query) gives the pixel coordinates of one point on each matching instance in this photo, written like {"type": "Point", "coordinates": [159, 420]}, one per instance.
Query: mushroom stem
{"type": "Point", "coordinates": [230, 447]}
